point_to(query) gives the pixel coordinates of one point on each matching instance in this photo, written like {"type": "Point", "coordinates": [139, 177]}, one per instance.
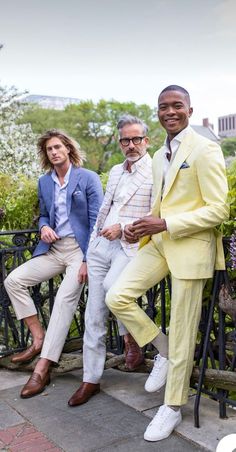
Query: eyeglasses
{"type": "Point", "coordinates": [135, 141]}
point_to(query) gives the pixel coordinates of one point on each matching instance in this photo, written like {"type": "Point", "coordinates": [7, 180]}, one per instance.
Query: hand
{"type": "Point", "coordinates": [48, 235]}
{"type": "Point", "coordinates": [112, 232]}
{"type": "Point", "coordinates": [130, 237]}
{"type": "Point", "coordinates": [83, 274]}
{"type": "Point", "coordinates": [149, 225]}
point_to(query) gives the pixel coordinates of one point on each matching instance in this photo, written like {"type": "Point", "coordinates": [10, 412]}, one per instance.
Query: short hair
{"type": "Point", "coordinates": [76, 156]}
{"type": "Point", "coordinates": [176, 88]}
{"type": "Point", "coordinates": [127, 119]}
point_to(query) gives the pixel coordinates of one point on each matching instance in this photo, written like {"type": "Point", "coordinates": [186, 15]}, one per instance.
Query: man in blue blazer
{"type": "Point", "coordinates": [69, 197]}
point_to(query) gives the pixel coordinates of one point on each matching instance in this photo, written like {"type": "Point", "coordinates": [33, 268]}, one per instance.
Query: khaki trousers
{"type": "Point", "coordinates": [66, 257]}
{"type": "Point", "coordinates": [144, 271]}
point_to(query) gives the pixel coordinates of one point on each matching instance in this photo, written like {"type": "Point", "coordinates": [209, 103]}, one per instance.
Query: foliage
{"type": "Point", "coordinates": [17, 141]}
{"type": "Point", "coordinates": [94, 127]}
{"type": "Point", "coordinates": [104, 179]}
{"type": "Point", "coordinates": [228, 146]}
{"type": "Point", "coordinates": [228, 227]}
{"type": "Point", "coordinates": [18, 198]}
{"type": "Point", "coordinates": [233, 251]}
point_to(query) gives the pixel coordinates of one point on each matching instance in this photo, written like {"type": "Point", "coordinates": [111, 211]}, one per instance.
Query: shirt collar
{"type": "Point", "coordinates": [178, 137]}
{"type": "Point", "coordinates": [66, 178]}
{"type": "Point", "coordinates": [135, 165]}
{"type": "Point", "coordinates": [175, 143]}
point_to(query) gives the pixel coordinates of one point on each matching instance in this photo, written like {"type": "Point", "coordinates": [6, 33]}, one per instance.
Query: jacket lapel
{"type": "Point", "coordinates": [73, 181]}
{"type": "Point", "coordinates": [137, 181]}
{"type": "Point", "coordinates": [158, 167]}
{"type": "Point", "coordinates": [183, 152]}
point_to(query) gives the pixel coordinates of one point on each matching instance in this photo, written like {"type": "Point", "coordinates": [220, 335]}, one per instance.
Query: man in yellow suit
{"type": "Point", "coordinates": [179, 237]}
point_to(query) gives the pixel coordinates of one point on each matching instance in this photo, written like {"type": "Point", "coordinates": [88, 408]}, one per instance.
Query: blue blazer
{"type": "Point", "coordinates": [84, 198]}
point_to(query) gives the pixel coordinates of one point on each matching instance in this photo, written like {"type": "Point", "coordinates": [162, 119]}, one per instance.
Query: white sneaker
{"type": "Point", "coordinates": [162, 424]}
{"type": "Point", "coordinates": [158, 375]}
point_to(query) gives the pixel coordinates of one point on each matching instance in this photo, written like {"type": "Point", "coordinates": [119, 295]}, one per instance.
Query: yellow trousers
{"type": "Point", "coordinates": [143, 272]}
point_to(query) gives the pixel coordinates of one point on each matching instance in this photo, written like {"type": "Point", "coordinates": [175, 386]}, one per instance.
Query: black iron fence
{"type": "Point", "coordinates": [215, 348]}
{"type": "Point", "coordinates": [15, 248]}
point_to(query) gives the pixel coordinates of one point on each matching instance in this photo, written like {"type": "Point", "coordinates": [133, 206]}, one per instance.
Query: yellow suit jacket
{"type": "Point", "coordinates": [193, 203]}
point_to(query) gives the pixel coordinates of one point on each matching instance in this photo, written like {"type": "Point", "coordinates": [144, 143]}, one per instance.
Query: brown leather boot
{"type": "Point", "coordinates": [84, 393]}
{"type": "Point", "coordinates": [133, 353]}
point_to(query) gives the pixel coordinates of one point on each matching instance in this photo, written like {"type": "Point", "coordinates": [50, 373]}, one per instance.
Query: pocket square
{"type": "Point", "coordinates": [184, 165]}
{"type": "Point", "coordinates": [77, 192]}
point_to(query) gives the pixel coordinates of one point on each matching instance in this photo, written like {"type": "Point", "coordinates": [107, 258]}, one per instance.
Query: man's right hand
{"type": "Point", "coordinates": [130, 237]}
{"type": "Point", "coordinates": [48, 235]}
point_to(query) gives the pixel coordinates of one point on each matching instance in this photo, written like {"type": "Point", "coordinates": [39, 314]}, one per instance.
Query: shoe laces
{"type": "Point", "coordinates": [161, 416]}
{"type": "Point", "coordinates": [156, 367]}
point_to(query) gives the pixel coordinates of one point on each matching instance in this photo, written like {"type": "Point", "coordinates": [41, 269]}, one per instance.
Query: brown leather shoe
{"type": "Point", "coordinates": [26, 355]}
{"type": "Point", "coordinates": [35, 385]}
{"type": "Point", "coordinates": [133, 354]}
{"type": "Point", "coordinates": [84, 393]}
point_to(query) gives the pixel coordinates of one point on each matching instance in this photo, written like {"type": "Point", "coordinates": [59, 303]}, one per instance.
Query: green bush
{"type": "Point", "coordinates": [19, 202]}
{"type": "Point", "coordinates": [228, 227]}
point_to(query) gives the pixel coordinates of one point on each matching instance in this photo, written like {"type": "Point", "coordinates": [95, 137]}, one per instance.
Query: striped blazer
{"type": "Point", "coordinates": [137, 202]}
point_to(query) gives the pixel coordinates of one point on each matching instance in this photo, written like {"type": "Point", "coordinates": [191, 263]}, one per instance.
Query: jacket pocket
{"type": "Point", "coordinates": [205, 236]}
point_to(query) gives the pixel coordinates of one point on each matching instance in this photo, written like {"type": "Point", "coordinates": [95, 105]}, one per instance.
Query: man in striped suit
{"type": "Point", "coordinates": [127, 198]}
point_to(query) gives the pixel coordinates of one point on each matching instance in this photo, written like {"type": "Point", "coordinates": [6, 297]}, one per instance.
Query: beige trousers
{"type": "Point", "coordinates": [66, 257]}
{"type": "Point", "coordinates": [144, 271]}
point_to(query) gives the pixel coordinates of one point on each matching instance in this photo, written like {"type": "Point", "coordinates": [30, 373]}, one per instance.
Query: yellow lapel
{"type": "Point", "coordinates": [183, 152]}
{"type": "Point", "coordinates": [158, 166]}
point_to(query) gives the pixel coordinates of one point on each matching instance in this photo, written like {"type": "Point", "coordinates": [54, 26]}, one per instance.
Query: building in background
{"type": "Point", "coordinates": [55, 102]}
{"type": "Point", "coordinates": [206, 130]}
{"type": "Point", "coordinates": [227, 126]}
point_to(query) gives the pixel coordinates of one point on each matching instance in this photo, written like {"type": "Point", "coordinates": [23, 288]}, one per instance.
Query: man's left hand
{"type": "Point", "coordinates": [83, 275]}
{"type": "Point", "coordinates": [112, 232]}
{"type": "Point", "coordinates": [149, 225]}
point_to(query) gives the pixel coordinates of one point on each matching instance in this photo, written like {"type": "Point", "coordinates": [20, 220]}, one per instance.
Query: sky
{"type": "Point", "coordinates": [127, 50]}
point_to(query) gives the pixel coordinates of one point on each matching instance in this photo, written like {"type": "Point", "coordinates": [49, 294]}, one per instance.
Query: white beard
{"type": "Point", "coordinates": [134, 158]}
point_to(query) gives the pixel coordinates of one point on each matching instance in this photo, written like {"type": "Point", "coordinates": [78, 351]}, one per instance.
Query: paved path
{"type": "Point", "coordinates": [113, 420]}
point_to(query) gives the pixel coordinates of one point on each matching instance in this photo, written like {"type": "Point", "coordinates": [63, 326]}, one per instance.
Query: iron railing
{"type": "Point", "coordinates": [15, 248]}
{"type": "Point", "coordinates": [212, 349]}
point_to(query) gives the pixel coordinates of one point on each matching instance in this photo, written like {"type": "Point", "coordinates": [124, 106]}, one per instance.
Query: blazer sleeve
{"type": "Point", "coordinates": [43, 212]}
{"type": "Point", "coordinates": [94, 193]}
{"type": "Point", "coordinates": [105, 207]}
{"type": "Point", "coordinates": [210, 168]}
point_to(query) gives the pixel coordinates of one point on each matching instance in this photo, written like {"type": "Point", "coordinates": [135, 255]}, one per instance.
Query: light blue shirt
{"type": "Point", "coordinates": [62, 224]}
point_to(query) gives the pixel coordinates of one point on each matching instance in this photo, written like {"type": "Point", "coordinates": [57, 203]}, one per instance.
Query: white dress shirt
{"type": "Point", "coordinates": [120, 192]}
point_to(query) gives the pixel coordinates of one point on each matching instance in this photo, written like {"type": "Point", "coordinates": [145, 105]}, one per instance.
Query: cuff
{"type": "Point", "coordinates": [166, 222]}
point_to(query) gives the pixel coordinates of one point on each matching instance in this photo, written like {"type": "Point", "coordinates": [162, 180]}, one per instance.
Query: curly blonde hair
{"type": "Point", "coordinates": [76, 155]}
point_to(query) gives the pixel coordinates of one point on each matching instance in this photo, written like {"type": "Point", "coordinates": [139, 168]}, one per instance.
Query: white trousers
{"type": "Point", "coordinates": [66, 257]}
{"type": "Point", "coordinates": [106, 260]}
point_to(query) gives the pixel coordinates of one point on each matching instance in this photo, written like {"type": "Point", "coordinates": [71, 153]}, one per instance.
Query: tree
{"type": "Point", "coordinates": [18, 154]}
{"type": "Point", "coordinates": [94, 127]}
{"type": "Point", "coordinates": [229, 147]}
